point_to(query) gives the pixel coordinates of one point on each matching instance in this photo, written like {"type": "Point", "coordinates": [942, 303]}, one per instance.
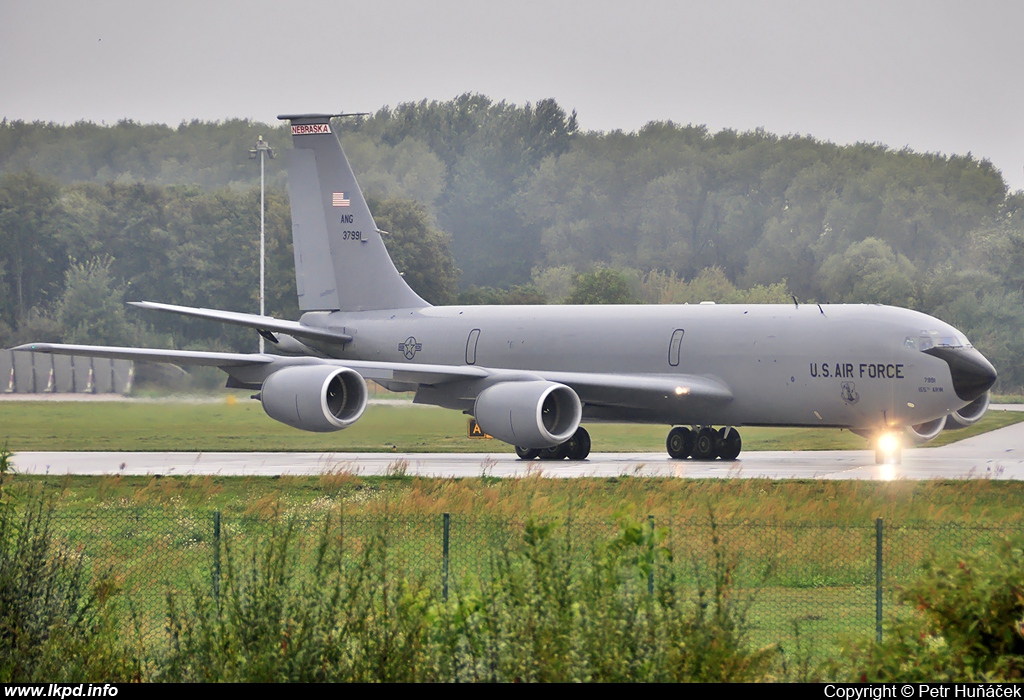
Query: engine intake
{"type": "Point", "coordinates": [532, 414]}
{"type": "Point", "coordinates": [969, 414]}
{"type": "Point", "coordinates": [317, 398]}
{"type": "Point", "coordinates": [924, 432]}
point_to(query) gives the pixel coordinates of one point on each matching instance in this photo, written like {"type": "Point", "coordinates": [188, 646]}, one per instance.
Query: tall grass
{"type": "Point", "coordinates": [56, 623]}
{"type": "Point", "coordinates": [359, 598]}
{"type": "Point", "coordinates": [540, 612]}
{"type": "Point", "coordinates": [547, 614]}
{"type": "Point", "coordinates": [273, 621]}
{"type": "Point", "coordinates": [551, 579]}
{"type": "Point", "coordinates": [962, 620]}
{"type": "Point", "coordinates": [823, 502]}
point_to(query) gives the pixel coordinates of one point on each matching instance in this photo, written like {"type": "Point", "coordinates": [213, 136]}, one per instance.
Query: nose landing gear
{"type": "Point", "coordinates": [705, 444]}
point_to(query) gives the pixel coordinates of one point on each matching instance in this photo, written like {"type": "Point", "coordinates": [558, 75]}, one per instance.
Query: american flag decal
{"type": "Point", "coordinates": [340, 200]}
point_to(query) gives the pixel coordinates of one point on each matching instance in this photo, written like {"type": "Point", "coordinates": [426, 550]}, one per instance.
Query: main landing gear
{"type": "Point", "coordinates": [575, 448]}
{"type": "Point", "coordinates": [704, 443]}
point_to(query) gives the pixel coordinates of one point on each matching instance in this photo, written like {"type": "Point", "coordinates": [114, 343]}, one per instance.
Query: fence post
{"type": "Point", "coordinates": [444, 555]}
{"type": "Point", "coordinates": [216, 555]}
{"type": "Point", "coordinates": [878, 579]}
{"type": "Point", "coordinates": [650, 574]}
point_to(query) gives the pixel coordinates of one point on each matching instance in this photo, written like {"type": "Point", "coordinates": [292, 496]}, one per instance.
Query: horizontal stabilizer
{"type": "Point", "coordinates": [262, 323]}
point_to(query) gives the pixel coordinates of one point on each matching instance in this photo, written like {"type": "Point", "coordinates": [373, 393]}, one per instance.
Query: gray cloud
{"type": "Point", "coordinates": [937, 76]}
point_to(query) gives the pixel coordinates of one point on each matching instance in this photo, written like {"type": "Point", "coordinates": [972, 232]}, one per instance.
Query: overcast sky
{"type": "Point", "coordinates": [938, 75]}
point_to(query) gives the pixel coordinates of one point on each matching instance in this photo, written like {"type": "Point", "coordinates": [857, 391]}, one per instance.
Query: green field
{"type": "Point", "coordinates": [803, 552]}
{"type": "Point", "coordinates": [241, 425]}
{"type": "Point", "coordinates": [820, 502]}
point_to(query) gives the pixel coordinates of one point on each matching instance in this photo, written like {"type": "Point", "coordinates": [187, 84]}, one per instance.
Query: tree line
{"type": "Point", "coordinates": [491, 202]}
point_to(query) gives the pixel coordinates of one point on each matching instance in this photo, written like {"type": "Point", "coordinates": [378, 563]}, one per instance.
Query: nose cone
{"type": "Point", "coordinates": [973, 375]}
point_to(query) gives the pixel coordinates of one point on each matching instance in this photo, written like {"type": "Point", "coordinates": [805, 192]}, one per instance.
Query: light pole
{"type": "Point", "coordinates": [262, 148]}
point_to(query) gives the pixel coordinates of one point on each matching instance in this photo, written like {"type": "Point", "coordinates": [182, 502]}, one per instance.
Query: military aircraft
{"type": "Point", "coordinates": [530, 375]}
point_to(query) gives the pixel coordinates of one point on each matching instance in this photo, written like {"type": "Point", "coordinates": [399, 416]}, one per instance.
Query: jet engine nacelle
{"type": "Point", "coordinates": [532, 414]}
{"type": "Point", "coordinates": [969, 414]}
{"type": "Point", "coordinates": [924, 432]}
{"type": "Point", "coordinates": [318, 398]}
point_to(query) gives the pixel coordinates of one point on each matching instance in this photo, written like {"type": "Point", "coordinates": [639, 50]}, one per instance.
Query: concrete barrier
{"type": "Point", "coordinates": [38, 373]}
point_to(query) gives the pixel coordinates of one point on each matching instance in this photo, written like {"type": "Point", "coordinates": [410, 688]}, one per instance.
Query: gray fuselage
{"type": "Point", "coordinates": [852, 366]}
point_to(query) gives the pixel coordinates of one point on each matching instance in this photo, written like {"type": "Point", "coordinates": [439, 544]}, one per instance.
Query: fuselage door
{"type": "Point", "coordinates": [673, 347]}
{"type": "Point", "coordinates": [474, 336]}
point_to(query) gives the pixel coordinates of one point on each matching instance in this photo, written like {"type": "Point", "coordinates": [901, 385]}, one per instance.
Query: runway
{"type": "Point", "coordinates": [995, 455]}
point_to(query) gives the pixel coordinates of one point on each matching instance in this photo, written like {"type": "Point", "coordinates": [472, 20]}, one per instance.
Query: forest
{"type": "Point", "coordinates": [491, 202]}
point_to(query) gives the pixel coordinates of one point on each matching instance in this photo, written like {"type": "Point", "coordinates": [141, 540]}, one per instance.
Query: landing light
{"type": "Point", "coordinates": [888, 454]}
{"type": "Point", "coordinates": [682, 390]}
{"type": "Point", "coordinates": [888, 443]}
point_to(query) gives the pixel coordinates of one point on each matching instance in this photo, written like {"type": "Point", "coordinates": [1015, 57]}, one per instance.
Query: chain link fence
{"type": "Point", "coordinates": [805, 585]}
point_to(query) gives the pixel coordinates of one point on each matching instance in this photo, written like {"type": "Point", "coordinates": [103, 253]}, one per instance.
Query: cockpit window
{"type": "Point", "coordinates": [931, 339]}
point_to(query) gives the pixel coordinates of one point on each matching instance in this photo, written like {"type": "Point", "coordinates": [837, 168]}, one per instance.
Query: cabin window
{"type": "Point", "coordinates": [474, 336]}
{"type": "Point", "coordinates": [674, 346]}
{"type": "Point", "coordinates": [926, 340]}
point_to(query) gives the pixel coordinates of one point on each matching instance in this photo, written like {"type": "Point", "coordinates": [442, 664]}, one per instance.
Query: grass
{"type": "Point", "coordinates": [1007, 398]}
{"type": "Point", "coordinates": [822, 502]}
{"type": "Point", "coordinates": [803, 549]}
{"type": "Point", "coordinates": [234, 425]}
{"type": "Point", "coordinates": [157, 535]}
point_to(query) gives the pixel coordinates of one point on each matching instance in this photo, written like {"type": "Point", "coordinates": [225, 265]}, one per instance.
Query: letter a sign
{"type": "Point", "coordinates": [476, 432]}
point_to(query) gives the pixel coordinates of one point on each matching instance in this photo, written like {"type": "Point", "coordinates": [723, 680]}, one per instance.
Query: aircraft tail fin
{"type": "Point", "coordinates": [341, 262]}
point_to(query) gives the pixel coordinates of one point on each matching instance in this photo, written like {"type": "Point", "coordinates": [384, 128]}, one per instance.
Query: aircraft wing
{"type": "Point", "coordinates": [174, 357]}
{"type": "Point", "coordinates": [622, 390]}
{"type": "Point", "coordinates": [261, 323]}
{"type": "Point", "coordinates": [411, 373]}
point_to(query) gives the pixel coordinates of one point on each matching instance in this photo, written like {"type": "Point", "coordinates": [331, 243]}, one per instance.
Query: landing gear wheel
{"type": "Point", "coordinates": [578, 446]}
{"type": "Point", "coordinates": [679, 443]}
{"type": "Point", "coordinates": [729, 444]}
{"type": "Point", "coordinates": [706, 445]}
{"type": "Point", "coordinates": [527, 453]}
{"type": "Point", "coordinates": [555, 453]}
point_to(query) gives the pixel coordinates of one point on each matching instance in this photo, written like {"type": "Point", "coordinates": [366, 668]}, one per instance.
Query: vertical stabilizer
{"type": "Point", "coordinates": [341, 262]}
